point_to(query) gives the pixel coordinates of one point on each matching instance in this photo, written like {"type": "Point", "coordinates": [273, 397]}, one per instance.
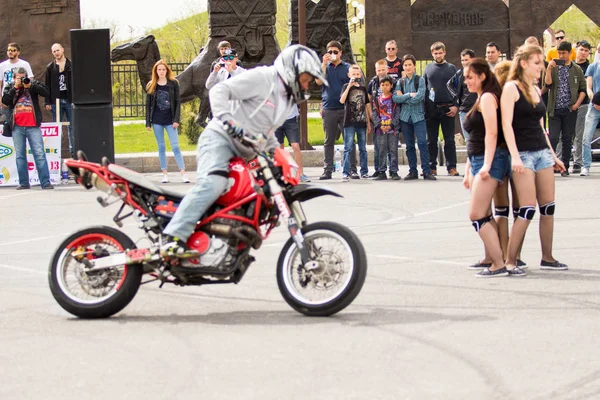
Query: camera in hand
{"type": "Point", "coordinates": [26, 81]}
{"type": "Point", "coordinates": [358, 80]}
{"type": "Point", "coordinates": [558, 61]}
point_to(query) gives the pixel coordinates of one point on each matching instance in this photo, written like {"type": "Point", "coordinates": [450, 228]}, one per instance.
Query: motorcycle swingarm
{"type": "Point", "coordinates": [135, 256]}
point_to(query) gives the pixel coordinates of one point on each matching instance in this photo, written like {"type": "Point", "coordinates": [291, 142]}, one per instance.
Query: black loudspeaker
{"type": "Point", "coordinates": [90, 56]}
{"type": "Point", "coordinates": [93, 130]}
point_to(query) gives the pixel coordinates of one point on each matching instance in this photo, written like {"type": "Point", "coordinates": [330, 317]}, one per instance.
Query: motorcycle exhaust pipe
{"type": "Point", "coordinates": [244, 233]}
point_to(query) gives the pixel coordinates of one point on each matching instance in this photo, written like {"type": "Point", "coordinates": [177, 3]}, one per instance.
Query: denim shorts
{"type": "Point", "coordinates": [537, 160]}
{"type": "Point", "coordinates": [289, 129]}
{"type": "Point", "coordinates": [500, 165]}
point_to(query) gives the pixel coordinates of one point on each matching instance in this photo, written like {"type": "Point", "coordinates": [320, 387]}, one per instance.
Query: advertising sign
{"type": "Point", "coordinates": [8, 165]}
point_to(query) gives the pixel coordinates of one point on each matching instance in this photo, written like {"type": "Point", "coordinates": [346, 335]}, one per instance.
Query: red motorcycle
{"type": "Point", "coordinates": [97, 271]}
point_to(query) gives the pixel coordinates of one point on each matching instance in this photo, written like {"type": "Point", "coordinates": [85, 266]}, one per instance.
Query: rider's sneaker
{"type": "Point", "coordinates": [173, 247]}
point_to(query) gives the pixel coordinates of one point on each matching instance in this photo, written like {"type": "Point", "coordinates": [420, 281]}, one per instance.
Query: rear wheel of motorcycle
{"type": "Point", "coordinates": [338, 278]}
{"type": "Point", "coordinates": [93, 294]}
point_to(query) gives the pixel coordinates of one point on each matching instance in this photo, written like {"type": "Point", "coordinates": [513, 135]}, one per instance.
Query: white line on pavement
{"type": "Point", "coordinates": [33, 271]}
{"type": "Point", "coordinates": [18, 194]}
{"type": "Point", "coordinates": [425, 212]}
{"type": "Point", "coordinates": [30, 240]}
{"type": "Point", "coordinates": [417, 259]}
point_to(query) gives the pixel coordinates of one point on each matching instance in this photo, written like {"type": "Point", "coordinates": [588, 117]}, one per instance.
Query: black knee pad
{"type": "Point", "coordinates": [548, 208]}
{"type": "Point", "coordinates": [501, 212]}
{"type": "Point", "coordinates": [479, 223]}
{"type": "Point", "coordinates": [527, 212]}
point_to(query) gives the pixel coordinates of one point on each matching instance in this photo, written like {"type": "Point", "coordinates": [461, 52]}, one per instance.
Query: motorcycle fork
{"type": "Point", "coordinates": [293, 216]}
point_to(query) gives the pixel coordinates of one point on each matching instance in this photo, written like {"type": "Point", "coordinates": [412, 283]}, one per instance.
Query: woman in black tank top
{"type": "Point", "coordinates": [488, 162]}
{"type": "Point", "coordinates": [532, 156]}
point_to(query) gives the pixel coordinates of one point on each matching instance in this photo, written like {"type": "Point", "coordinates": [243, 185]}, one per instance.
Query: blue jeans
{"type": "Point", "coordinates": [33, 135]}
{"type": "Point", "coordinates": [591, 121]}
{"type": "Point", "coordinates": [361, 136]}
{"type": "Point", "coordinates": [66, 114]}
{"type": "Point", "coordinates": [159, 133]}
{"type": "Point", "coordinates": [214, 153]}
{"type": "Point", "coordinates": [418, 129]}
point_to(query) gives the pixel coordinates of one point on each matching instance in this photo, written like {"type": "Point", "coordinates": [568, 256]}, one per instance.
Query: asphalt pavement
{"type": "Point", "coordinates": [423, 326]}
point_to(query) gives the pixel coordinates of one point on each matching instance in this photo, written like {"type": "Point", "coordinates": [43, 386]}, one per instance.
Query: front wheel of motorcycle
{"type": "Point", "coordinates": [331, 284]}
{"type": "Point", "coordinates": [99, 293]}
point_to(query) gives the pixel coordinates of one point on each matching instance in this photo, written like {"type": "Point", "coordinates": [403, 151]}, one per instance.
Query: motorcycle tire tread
{"type": "Point", "coordinates": [354, 287]}
{"type": "Point", "coordinates": [113, 304]}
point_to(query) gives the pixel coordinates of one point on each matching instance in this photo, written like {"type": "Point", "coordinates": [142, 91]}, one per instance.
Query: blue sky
{"type": "Point", "coordinates": [135, 16]}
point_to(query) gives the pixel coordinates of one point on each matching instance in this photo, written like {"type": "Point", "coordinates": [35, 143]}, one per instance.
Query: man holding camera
{"type": "Point", "coordinates": [567, 89]}
{"type": "Point", "coordinates": [332, 111]}
{"type": "Point", "coordinates": [225, 68]}
{"type": "Point", "coordinates": [25, 117]}
{"type": "Point", "coordinates": [9, 67]}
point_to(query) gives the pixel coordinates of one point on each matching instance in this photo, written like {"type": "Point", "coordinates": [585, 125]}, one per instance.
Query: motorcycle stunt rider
{"type": "Point", "coordinates": [251, 104]}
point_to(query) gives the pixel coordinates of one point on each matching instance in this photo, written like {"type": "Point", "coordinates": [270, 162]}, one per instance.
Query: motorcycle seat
{"type": "Point", "coordinates": [140, 180]}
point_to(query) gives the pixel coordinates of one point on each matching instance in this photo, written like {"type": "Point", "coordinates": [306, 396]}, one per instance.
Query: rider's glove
{"type": "Point", "coordinates": [233, 130]}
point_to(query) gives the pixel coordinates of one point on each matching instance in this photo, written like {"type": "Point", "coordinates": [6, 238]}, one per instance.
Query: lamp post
{"type": "Point", "coordinates": [359, 14]}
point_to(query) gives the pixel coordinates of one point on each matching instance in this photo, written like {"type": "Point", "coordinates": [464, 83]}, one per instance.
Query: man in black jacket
{"type": "Point", "coordinates": [459, 91]}
{"type": "Point", "coordinates": [25, 117]}
{"type": "Point", "coordinates": [58, 81]}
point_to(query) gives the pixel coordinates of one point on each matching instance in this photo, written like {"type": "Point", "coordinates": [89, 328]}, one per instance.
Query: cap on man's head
{"type": "Point", "coordinates": [596, 99]}
{"type": "Point", "coordinates": [584, 43]}
{"type": "Point", "coordinates": [223, 43]}
{"type": "Point", "coordinates": [231, 52]}
{"type": "Point", "coordinates": [564, 46]}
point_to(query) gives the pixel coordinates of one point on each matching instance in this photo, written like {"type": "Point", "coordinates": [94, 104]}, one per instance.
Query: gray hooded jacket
{"type": "Point", "coordinates": [256, 100]}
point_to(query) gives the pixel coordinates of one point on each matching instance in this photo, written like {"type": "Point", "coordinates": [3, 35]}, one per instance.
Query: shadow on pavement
{"type": "Point", "coordinates": [372, 317]}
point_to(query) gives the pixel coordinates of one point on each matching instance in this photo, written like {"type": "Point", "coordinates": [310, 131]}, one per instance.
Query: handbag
{"type": "Point", "coordinates": [6, 129]}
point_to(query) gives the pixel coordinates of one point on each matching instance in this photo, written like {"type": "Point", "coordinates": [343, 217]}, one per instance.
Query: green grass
{"type": "Point", "coordinates": [134, 138]}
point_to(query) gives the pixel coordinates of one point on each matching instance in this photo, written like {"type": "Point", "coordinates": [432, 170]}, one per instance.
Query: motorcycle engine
{"type": "Point", "coordinates": [212, 249]}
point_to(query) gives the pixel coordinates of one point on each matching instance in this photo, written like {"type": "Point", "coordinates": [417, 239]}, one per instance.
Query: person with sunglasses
{"type": "Point", "coordinates": [332, 110]}
{"type": "Point", "coordinates": [226, 67]}
{"type": "Point", "coordinates": [560, 36]}
{"type": "Point", "coordinates": [9, 68]}
{"type": "Point", "coordinates": [393, 62]}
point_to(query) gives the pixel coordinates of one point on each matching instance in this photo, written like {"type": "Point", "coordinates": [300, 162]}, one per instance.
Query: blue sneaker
{"type": "Point", "coordinates": [304, 178]}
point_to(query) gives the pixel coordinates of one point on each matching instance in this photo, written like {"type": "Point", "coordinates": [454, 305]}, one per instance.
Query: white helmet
{"type": "Point", "coordinates": [292, 62]}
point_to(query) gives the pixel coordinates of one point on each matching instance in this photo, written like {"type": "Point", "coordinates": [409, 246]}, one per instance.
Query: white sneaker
{"type": "Point", "coordinates": [165, 178]}
{"type": "Point", "coordinates": [184, 179]}
{"type": "Point", "coordinates": [345, 178]}
{"type": "Point", "coordinates": [584, 171]}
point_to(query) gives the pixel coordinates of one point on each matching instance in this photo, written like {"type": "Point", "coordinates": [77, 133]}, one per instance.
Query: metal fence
{"type": "Point", "coordinates": [129, 98]}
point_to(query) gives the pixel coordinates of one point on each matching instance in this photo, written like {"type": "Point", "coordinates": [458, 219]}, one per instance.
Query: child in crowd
{"type": "Point", "coordinates": [381, 70]}
{"type": "Point", "coordinates": [386, 120]}
{"type": "Point", "coordinates": [354, 98]}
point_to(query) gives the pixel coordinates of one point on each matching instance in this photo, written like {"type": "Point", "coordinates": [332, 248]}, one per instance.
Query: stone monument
{"type": "Point", "coordinates": [459, 25]}
{"type": "Point", "coordinates": [36, 25]}
{"type": "Point", "coordinates": [325, 21]}
{"type": "Point", "coordinates": [249, 25]}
